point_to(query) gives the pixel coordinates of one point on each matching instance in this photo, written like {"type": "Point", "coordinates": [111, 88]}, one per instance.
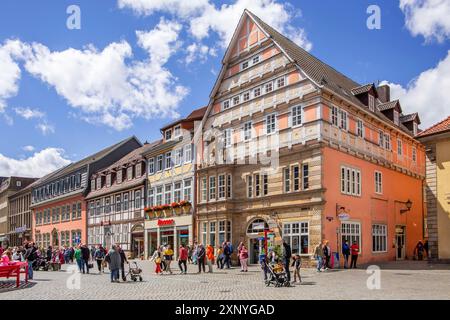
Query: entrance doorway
{"type": "Point", "coordinates": [400, 247]}
{"type": "Point", "coordinates": [107, 241]}
{"type": "Point", "coordinates": [137, 241]}
{"type": "Point", "coordinates": [255, 246]}
{"type": "Point", "coordinates": [255, 233]}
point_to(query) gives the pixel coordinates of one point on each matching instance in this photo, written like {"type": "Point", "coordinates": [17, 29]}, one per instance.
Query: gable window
{"type": "Point", "coordinates": [268, 87]}
{"type": "Point", "coordinates": [159, 163]}
{"type": "Point", "coordinates": [359, 128]}
{"type": "Point", "coordinates": [334, 115]}
{"type": "Point", "coordinates": [225, 104]}
{"type": "Point", "coordinates": [99, 183]}
{"type": "Point", "coordinates": [93, 184]}
{"type": "Point", "coordinates": [212, 188]}
{"type": "Point", "coordinates": [396, 117]}
{"type": "Point", "coordinates": [271, 123]}
{"type": "Point", "coordinates": [343, 119]}
{"type": "Point", "coordinates": [399, 147]}
{"type": "Point", "coordinates": [256, 92]}
{"type": "Point", "coordinates": [371, 103]}
{"type": "Point", "coordinates": [415, 128]}
{"type": "Point", "coordinates": [281, 82]}
{"type": "Point", "coordinates": [108, 180]}
{"type": "Point", "coordinates": [236, 100]}
{"type": "Point", "coordinates": [378, 182]}
{"type": "Point", "coordinates": [168, 163]}
{"type": "Point", "coordinates": [168, 134]}
{"type": "Point", "coordinates": [296, 116]}
{"type": "Point", "coordinates": [129, 173]}
{"type": "Point", "coordinates": [177, 131]}
{"type": "Point", "coordinates": [414, 154]}
{"type": "Point", "coordinates": [151, 166]}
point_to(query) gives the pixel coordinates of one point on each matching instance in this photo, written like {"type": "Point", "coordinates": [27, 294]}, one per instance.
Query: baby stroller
{"type": "Point", "coordinates": [276, 276]}
{"type": "Point", "coordinates": [134, 271]}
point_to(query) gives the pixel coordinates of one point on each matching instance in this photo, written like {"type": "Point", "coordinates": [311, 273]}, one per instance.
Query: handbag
{"type": "Point", "coordinates": [90, 265]}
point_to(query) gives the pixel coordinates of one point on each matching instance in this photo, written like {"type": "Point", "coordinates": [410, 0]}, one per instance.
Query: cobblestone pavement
{"type": "Point", "coordinates": [405, 280]}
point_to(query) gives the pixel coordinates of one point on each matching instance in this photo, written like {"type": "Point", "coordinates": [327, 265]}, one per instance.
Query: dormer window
{"type": "Point", "coordinates": [129, 173]}
{"type": "Point", "coordinates": [168, 134]}
{"type": "Point", "coordinates": [415, 128]}
{"type": "Point", "coordinates": [18, 183]}
{"type": "Point", "coordinates": [177, 131]}
{"type": "Point", "coordinates": [99, 183]}
{"type": "Point", "coordinates": [108, 180]}
{"type": "Point", "coordinates": [138, 170]}
{"type": "Point", "coordinates": [93, 184]}
{"type": "Point", "coordinates": [119, 176]}
{"type": "Point", "coordinates": [396, 115]}
{"type": "Point", "coordinates": [371, 103]}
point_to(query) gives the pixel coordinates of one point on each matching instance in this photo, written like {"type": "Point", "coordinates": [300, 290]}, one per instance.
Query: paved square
{"type": "Point", "coordinates": [403, 280]}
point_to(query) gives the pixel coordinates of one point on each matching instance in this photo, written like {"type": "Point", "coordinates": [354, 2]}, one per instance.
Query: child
{"type": "Point", "coordinates": [157, 258]}
{"type": "Point", "coordinates": [297, 264]}
{"type": "Point", "coordinates": [278, 267]}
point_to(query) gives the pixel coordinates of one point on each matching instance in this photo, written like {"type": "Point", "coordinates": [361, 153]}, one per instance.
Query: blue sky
{"type": "Point", "coordinates": [405, 52]}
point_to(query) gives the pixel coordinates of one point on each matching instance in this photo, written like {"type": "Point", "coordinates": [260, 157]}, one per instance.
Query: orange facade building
{"type": "Point", "coordinates": [311, 154]}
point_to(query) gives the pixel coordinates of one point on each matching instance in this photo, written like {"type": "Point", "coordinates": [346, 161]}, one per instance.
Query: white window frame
{"type": "Point", "coordinates": [350, 181]}
{"type": "Point", "coordinates": [247, 131]}
{"type": "Point", "coordinates": [273, 124]}
{"type": "Point", "coordinates": [229, 191]}
{"type": "Point", "coordinates": [168, 160]}
{"type": "Point", "coordinates": [226, 104]}
{"type": "Point", "coordinates": [188, 153]}
{"type": "Point", "coordinates": [228, 137]}
{"type": "Point", "coordinates": [360, 128]}
{"type": "Point", "coordinates": [160, 163]}
{"type": "Point", "coordinates": [399, 147]}
{"type": "Point", "coordinates": [378, 177]}
{"type": "Point", "coordinates": [387, 141]}
{"type": "Point", "coordinates": [334, 114]}
{"type": "Point", "coordinates": [178, 157]}
{"type": "Point", "coordinates": [298, 110]}
{"type": "Point", "coordinates": [280, 79]}
{"type": "Point", "coordinates": [289, 232]}
{"type": "Point", "coordinates": [343, 120]}
{"type": "Point", "coordinates": [204, 189]}
{"type": "Point", "coordinates": [349, 233]}
{"type": "Point", "coordinates": [151, 166]}
{"type": "Point", "coordinates": [246, 94]}
{"type": "Point", "coordinates": [268, 85]}
{"type": "Point", "coordinates": [250, 186]}
{"type": "Point", "coordinates": [177, 131]}
{"type": "Point", "coordinates": [236, 100]}
{"type": "Point", "coordinates": [286, 179]}
{"type": "Point", "coordinates": [187, 190]}
{"type": "Point", "coordinates": [379, 238]}
{"type": "Point", "coordinates": [254, 92]}
{"type": "Point", "coordinates": [221, 187]}
{"type": "Point", "coordinates": [212, 188]}
{"type": "Point", "coordinates": [167, 133]}
{"type": "Point", "coordinates": [177, 188]}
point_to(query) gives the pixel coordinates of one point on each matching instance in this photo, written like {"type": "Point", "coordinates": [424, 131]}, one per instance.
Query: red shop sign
{"type": "Point", "coordinates": [165, 222]}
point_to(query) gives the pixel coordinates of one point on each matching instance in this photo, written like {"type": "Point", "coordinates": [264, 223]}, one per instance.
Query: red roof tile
{"type": "Point", "coordinates": [439, 127]}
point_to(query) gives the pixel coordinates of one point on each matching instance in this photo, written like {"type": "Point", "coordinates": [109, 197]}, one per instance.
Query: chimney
{"type": "Point", "coordinates": [384, 93]}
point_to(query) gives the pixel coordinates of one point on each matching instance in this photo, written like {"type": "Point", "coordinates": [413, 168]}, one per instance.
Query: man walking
{"type": "Point", "coordinates": [30, 256]}
{"type": "Point", "coordinates": [226, 254]}
{"type": "Point", "coordinates": [318, 255]}
{"type": "Point", "coordinates": [85, 256]}
{"type": "Point", "coordinates": [182, 258]}
{"type": "Point", "coordinates": [201, 252]}
{"type": "Point", "coordinates": [287, 253]}
{"type": "Point", "coordinates": [114, 263]}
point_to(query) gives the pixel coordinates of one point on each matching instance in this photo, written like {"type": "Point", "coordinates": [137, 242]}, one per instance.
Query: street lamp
{"type": "Point", "coordinates": [408, 205]}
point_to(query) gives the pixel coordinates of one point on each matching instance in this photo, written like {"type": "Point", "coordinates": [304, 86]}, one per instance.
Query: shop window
{"type": "Point", "coordinates": [351, 232]}
{"type": "Point", "coordinates": [379, 238]}
{"type": "Point", "coordinates": [297, 236]}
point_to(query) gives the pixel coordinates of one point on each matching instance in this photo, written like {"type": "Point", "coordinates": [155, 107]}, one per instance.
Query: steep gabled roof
{"type": "Point", "coordinates": [363, 89]}
{"type": "Point", "coordinates": [440, 127]}
{"type": "Point", "coordinates": [389, 105]}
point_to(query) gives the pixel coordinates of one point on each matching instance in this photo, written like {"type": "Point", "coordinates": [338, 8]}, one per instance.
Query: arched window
{"type": "Point", "coordinates": [258, 225]}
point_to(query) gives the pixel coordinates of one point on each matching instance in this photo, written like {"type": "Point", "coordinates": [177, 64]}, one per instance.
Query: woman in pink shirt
{"type": "Point", "coordinates": [6, 258]}
{"type": "Point", "coordinates": [243, 257]}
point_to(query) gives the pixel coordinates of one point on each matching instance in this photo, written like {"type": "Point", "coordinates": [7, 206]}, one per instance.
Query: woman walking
{"type": "Point", "coordinates": [99, 255]}
{"type": "Point", "coordinates": [243, 257]}
{"type": "Point", "coordinates": [78, 257]}
{"type": "Point", "coordinates": [297, 264]}
{"type": "Point", "coordinates": [210, 257]}
{"type": "Point", "coordinates": [157, 258]}
{"type": "Point", "coordinates": [114, 264]}
{"type": "Point", "coordinates": [219, 257]}
{"type": "Point", "coordinates": [168, 257]}
{"type": "Point", "coordinates": [182, 258]}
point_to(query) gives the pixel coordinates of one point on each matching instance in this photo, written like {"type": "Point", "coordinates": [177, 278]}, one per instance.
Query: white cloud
{"type": "Point", "coordinates": [108, 88]}
{"type": "Point", "coordinates": [45, 128]}
{"type": "Point", "coordinates": [204, 16]}
{"type": "Point", "coordinates": [28, 148]}
{"type": "Point", "coordinates": [28, 113]}
{"type": "Point", "coordinates": [197, 52]}
{"type": "Point", "coordinates": [38, 165]}
{"type": "Point", "coordinates": [426, 94]}
{"type": "Point", "coordinates": [429, 18]}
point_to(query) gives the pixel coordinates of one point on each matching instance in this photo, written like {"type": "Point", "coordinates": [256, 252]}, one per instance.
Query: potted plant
{"type": "Point", "coordinates": [186, 205]}
{"type": "Point", "coordinates": [176, 207]}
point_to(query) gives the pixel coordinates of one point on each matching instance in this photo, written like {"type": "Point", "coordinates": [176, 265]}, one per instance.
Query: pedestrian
{"type": "Point", "coordinates": [263, 263]}
{"type": "Point", "coordinates": [78, 258]}
{"type": "Point", "coordinates": [92, 251]}
{"type": "Point", "coordinates": [66, 254]}
{"type": "Point", "coordinates": [355, 252]}
{"type": "Point", "coordinates": [71, 254]}
{"type": "Point", "coordinates": [201, 252]}
{"type": "Point", "coordinates": [189, 249]}
{"type": "Point", "coordinates": [168, 257]}
{"type": "Point", "coordinates": [157, 258]}
{"type": "Point", "coordinates": [425, 247]}
{"type": "Point", "coordinates": [85, 257]}
{"type": "Point", "coordinates": [49, 254]}
{"type": "Point", "coordinates": [318, 255]}
{"type": "Point", "coordinates": [114, 264]}
{"type": "Point", "coordinates": [6, 257]}
{"type": "Point", "coordinates": [226, 255]}
{"type": "Point", "coordinates": [99, 256]}
{"type": "Point", "coordinates": [419, 250]}
{"type": "Point", "coordinates": [297, 263]}
{"type": "Point", "coordinates": [194, 253]}
{"type": "Point", "coordinates": [243, 258]}
{"type": "Point", "coordinates": [345, 253]}
{"type": "Point", "coordinates": [183, 255]}
{"type": "Point", "coordinates": [219, 257]}
{"type": "Point", "coordinates": [30, 257]}
{"type": "Point", "coordinates": [327, 254]}
{"type": "Point", "coordinates": [17, 255]}
{"type": "Point", "coordinates": [210, 257]}
{"type": "Point", "coordinates": [123, 260]}
{"type": "Point", "coordinates": [287, 253]}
